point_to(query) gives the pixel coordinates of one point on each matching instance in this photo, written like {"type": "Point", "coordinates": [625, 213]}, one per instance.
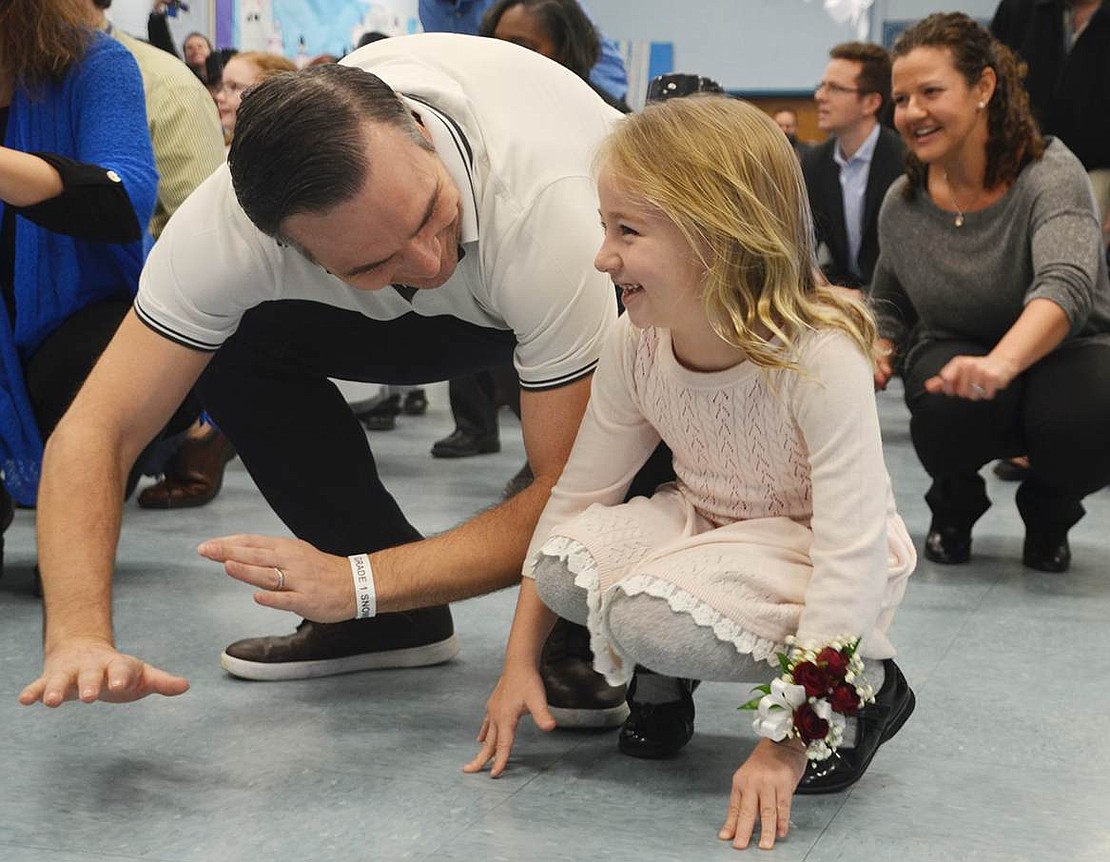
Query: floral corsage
{"type": "Point", "coordinates": [818, 690]}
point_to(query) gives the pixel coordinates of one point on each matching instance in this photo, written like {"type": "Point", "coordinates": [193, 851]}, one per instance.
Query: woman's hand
{"type": "Point", "coordinates": [885, 351]}
{"type": "Point", "coordinates": [519, 690]}
{"type": "Point", "coordinates": [976, 378]}
{"type": "Point", "coordinates": [763, 789]}
{"type": "Point", "coordinates": [315, 585]}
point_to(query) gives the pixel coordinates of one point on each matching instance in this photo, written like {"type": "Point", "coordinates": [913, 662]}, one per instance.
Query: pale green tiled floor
{"type": "Point", "coordinates": [1005, 759]}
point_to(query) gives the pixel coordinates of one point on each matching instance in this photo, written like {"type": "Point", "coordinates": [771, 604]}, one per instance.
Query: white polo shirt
{"type": "Point", "coordinates": [517, 133]}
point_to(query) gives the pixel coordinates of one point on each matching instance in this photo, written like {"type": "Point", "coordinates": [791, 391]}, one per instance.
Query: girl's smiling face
{"type": "Point", "coordinates": [649, 259]}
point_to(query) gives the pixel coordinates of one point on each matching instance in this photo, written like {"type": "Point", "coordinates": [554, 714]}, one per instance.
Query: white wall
{"type": "Point", "coordinates": [743, 44]}
{"type": "Point", "coordinates": [130, 16]}
{"type": "Point", "coordinates": [753, 44]}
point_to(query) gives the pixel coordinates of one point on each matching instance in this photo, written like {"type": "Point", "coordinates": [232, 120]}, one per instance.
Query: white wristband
{"type": "Point", "coordinates": [366, 602]}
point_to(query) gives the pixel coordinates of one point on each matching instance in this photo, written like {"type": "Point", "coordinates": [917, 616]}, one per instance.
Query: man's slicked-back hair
{"type": "Point", "coordinates": [301, 138]}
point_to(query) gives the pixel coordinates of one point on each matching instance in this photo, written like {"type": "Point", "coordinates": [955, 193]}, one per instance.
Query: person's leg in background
{"type": "Point", "coordinates": [954, 438]}
{"type": "Point", "coordinates": [1065, 415]}
{"type": "Point", "coordinates": [59, 366]}
{"type": "Point", "coordinates": [474, 409]}
{"type": "Point", "coordinates": [56, 370]}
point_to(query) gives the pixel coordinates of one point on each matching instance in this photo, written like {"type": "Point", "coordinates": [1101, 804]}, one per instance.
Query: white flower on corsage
{"type": "Point", "coordinates": [819, 688]}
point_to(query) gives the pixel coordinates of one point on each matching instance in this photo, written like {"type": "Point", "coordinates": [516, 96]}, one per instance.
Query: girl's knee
{"type": "Point", "coordinates": [556, 589]}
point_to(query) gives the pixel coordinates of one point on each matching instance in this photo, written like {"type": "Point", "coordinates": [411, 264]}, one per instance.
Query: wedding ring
{"type": "Point", "coordinates": [978, 390]}
{"type": "Point", "coordinates": [281, 580]}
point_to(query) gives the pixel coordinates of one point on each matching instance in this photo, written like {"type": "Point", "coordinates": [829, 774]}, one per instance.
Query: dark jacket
{"type": "Point", "coordinates": [1069, 91]}
{"type": "Point", "coordinates": [822, 176]}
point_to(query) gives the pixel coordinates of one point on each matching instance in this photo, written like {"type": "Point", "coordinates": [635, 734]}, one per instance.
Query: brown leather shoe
{"type": "Point", "coordinates": [194, 475]}
{"type": "Point", "coordinates": [577, 695]}
{"type": "Point", "coordinates": [416, 638]}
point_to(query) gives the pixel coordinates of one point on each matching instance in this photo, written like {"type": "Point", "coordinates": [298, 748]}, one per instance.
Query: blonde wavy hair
{"type": "Point", "coordinates": [725, 174]}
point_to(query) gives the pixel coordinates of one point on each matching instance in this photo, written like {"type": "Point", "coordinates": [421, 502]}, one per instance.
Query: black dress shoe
{"type": "Point", "coordinates": [657, 730]}
{"type": "Point", "coordinates": [948, 546]}
{"type": "Point", "coordinates": [415, 403]}
{"type": "Point", "coordinates": [1010, 471]}
{"type": "Point", "coordinates": [1046, 552]}
{"type": "Point", "coordinates": [577, 695]}
{"type": "Point", "coordinates": [877, 722]}
{"type": "Point", "coordinates": [383, 415]}
{"type": "Point", "coordinates": [461, 444]}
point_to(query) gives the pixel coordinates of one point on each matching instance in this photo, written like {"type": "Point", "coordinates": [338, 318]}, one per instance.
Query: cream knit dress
{"type": "Point", "coordinates": [782, 519]}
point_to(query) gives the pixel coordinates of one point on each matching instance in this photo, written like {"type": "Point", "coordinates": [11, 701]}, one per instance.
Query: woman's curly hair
{"type": "Point", "coordinates": [1013, 138]}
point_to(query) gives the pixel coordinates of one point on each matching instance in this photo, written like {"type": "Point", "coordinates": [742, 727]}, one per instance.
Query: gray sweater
{"type": "Point", "coordinates": [1042, 239]}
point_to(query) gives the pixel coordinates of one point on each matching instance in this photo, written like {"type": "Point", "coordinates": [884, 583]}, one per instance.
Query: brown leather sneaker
{"type": "Point", "coordinates": [413, 638]}
{"type": "Point", "coordinates": [577, 695]}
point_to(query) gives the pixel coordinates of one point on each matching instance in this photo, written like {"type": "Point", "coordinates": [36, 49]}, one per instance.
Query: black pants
{"type": "Point", "coordinates": [1057, 413]}
{"type": "Point", "coordinates": [268, 390]}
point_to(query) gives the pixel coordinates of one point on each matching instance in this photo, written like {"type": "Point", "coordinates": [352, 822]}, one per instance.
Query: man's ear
{"type": "Point", "coordinates": [872, 104]}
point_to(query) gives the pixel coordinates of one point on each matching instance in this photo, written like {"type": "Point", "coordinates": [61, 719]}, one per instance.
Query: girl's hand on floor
{"type": "Point", "coordinates": [763, 789]}
{"type": "Point", "coordinates": [519, 691]}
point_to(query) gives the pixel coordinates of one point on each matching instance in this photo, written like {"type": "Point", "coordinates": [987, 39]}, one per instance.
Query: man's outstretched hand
{"type": "Point", "coordinates": [92, 670]}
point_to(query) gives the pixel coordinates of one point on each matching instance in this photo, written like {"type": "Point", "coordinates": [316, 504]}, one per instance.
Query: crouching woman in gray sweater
{"type": "Point", "coordinates": [992, 282]}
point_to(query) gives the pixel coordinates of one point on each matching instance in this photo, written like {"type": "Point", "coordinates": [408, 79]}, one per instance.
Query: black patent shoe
{"type": "Point", "coordinates": [877, 722]}
{"type": "Point", "coordinates": [948, 546]}
{"type": "Point", "coordinates": [657, 730]}
{"type": "Point", "coordinates": [577, 695]}
{"type": "Point", "coordinates": [1046, 552]}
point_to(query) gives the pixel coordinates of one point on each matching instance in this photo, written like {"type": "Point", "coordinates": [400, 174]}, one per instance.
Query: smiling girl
{"type": "Point", "coordinates": [781, 522]}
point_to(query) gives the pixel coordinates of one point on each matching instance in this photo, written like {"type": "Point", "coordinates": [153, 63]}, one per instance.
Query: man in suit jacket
{"type": "Point", "coordinates": [1066, 44]}
{"type": "Point", "coordinates": [848, 175]}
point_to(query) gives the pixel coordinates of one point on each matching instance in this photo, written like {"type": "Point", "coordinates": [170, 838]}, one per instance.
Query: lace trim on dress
{"type": "Point", "coordinates": [608, 660]}
{"type": "Point", "coordinates": [724, 629]}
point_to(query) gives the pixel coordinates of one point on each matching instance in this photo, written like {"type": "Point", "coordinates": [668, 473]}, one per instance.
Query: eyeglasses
{"type": "Point", "coordinates": [835, 89]}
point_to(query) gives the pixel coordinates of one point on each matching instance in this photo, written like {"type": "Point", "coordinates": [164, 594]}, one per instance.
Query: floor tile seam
{"type": "Point", "coordinates": [469, 824]}
{"type": "Point", "coordinates": [825, 828]}
{"type": "Point", "coordinates": [91, 854]}
{"type": "Point", "coordinates": [1080, 769]}
{"type": "Point", "coordinates": [964, 626]}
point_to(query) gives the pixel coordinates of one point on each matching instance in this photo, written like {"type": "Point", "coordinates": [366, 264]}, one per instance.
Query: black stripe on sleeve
{"type": "Point", "coordinates": [562, 380]}
{"type": "Point", "coordinates": [172, 334]}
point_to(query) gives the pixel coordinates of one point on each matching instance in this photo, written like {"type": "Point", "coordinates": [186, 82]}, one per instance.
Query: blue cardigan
{"type": "Point", "coordinates": [95, 115]}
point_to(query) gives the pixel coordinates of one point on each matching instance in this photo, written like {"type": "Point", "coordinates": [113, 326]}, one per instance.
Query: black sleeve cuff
{"type": "Point", "coordinates": [158, 33]}
{"type": "Point", "coordinates": [93, 204]}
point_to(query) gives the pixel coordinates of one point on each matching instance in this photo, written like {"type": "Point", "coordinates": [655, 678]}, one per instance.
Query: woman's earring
{"type": "Point", "coordinates": [982, 105]}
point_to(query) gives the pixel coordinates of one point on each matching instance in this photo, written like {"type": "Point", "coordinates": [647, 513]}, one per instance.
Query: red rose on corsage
{"type": "Point", "coordinates": [809, 724]}
{"type": "Point", "coordinates": [812, 678]}
{"type": "Point", "coordinates": [844, 699]}
{"type": "Point", "coordinates": [834, 662]}
{"type": "Point", "coordinates": [819, 688]}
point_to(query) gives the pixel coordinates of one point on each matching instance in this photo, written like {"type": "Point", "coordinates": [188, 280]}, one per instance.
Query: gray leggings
{"type": "Point", "coordinates": [644, 627]}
